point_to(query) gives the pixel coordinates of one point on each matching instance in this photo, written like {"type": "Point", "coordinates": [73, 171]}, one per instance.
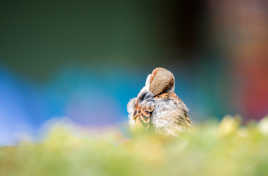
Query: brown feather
{"type": "Point", "coordinates": [161, 81]}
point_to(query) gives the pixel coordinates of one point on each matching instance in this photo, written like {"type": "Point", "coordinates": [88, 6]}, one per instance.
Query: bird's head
{"type": "Point", "coordinates": [159, 81]}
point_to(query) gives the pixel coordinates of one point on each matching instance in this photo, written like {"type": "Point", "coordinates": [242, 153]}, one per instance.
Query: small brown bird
{"type": "Point", "coordinates": [158, 107]}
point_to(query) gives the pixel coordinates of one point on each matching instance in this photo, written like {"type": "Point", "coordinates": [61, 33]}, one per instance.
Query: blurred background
{"type": "Point", "coordinates": [85, 59]}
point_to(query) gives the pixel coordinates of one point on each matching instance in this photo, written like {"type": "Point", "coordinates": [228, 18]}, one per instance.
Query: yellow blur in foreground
{"type": "Point", "coordinates": [208, 149]}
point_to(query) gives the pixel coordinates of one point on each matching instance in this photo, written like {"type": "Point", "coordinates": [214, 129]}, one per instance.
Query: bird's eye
{"type": "Point", "coordinates": [143, 95]}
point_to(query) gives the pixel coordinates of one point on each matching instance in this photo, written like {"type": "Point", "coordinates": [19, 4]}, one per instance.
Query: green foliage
{"type": "Point", "coordinates": [210, 149]}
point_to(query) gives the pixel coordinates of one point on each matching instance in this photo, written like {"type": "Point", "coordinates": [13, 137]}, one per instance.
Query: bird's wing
{"type": "Point", "coordinates": [180, 114]}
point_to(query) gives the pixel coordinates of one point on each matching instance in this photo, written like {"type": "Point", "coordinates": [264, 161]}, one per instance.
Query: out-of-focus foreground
{"type": "Point", "coordinates": [209, 150]}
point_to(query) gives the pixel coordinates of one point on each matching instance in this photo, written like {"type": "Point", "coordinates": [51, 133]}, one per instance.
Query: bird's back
{"type": "Point", "coordinates": [170, 115]}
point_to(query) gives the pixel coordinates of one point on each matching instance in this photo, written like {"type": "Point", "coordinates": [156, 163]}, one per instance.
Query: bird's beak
{"type": "Point", "coordinates": [148, 95]}
{"type": "Point", "coordinates": [145, 95]}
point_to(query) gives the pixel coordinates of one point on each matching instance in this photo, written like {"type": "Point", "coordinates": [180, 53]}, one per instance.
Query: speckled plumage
{"type": "Point", "coordinates": [159, 108]}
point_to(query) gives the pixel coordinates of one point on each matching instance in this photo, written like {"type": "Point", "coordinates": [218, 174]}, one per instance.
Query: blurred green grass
{"type": "Point", "coordinates": [211, 149]}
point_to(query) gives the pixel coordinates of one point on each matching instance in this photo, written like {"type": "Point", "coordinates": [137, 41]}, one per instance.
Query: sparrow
{"type": "Point", "coordinates": [157, 106]}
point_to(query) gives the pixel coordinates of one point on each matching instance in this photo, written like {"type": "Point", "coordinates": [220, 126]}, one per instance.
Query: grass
{"type": "Point", "coordinates": [211, 149]}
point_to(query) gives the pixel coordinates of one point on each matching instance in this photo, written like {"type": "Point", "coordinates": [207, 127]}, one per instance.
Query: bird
{"type": "Point", "coordinates": [157, 106]}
